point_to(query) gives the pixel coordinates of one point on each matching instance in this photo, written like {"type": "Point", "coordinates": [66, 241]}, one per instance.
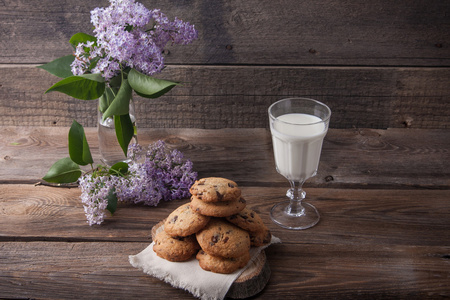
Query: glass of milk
{"type": "Point", "coordinates": [298, 127]}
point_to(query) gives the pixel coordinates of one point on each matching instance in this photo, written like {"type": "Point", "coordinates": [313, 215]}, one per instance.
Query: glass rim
{"type": "Point", "coordinates": [300, 98]}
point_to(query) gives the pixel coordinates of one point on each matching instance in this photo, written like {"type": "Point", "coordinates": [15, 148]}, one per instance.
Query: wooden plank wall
{"type": "Point", "coordinates": [377, 64]}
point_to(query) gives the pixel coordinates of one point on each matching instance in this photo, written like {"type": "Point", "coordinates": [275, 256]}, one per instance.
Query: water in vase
{"type": "Point", "coordinates": [109, 147]}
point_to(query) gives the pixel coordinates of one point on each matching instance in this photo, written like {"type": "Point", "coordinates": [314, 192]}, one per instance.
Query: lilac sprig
{"type": "Point", "coordinates": [94, 196]}
{"type": "Point", "coordinates": [129, 35]}
{"type": "Point", "coordinates": [154, 174]}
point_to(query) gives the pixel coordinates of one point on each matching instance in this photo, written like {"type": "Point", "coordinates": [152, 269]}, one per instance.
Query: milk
{"type": "Point", "coordinates": [297, 147]}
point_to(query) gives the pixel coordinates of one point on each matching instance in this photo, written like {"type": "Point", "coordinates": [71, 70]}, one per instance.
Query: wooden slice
{"type": "Point", "coordinates": [250, 282]}
{"type": "Point", "coordinates": [157, 228]}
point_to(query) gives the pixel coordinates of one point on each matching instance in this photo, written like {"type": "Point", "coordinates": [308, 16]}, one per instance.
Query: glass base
{"type": "Point", "coordinates": [281, 216]}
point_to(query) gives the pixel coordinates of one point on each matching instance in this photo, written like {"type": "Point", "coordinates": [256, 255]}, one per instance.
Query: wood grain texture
{"type": "Point", "coordinates": [382, 187]}
{"type": "Point", "coordinates": [238, 97]}
{"type": "Point", "coordinates": [325, 32]}
{"type": "Point", "coordinates": [368, 244]}
{"type": "Point", "coordinates": [362, 158]}
{"type": "Point", "coordinates": [378, 64]}
{"type": "Point", "coordinates": [348, 216]}
{"type": "Point", "coordinates": [358, 272]}
{"type": "Point", "coordinates": [383, 231]}
{"type": "Point", "coordinates": [253, 280]}
{"type": "Point", "coordinates": [46, 270]}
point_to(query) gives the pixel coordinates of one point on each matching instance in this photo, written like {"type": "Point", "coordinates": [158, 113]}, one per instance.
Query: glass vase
{"type": "Point", "coordinates": [109, 147]}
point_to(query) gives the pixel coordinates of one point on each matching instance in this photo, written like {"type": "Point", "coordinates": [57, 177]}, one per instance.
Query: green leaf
{"type": "Point", "coordinates": [124, 131]}
{"type": "Point", "coordinates": [121, 103]}
{"type": "Point", "coordinates": [78, 146]}
{"type": "Point", "coordinates": [147, 86]}
{"type": "Point", "coordinates": [63, 171]}
{"type": "Point", "coordinates": [84, 87]}
{"type": "Point", "coordinates": [60, 67]}
{"type": "Point", "coordinates": [81, 37]}
{"type": "Point", "coordinates": [120, 168]}
{"type": "Point", "coordinates": [106, 99]}
{"type": "Point", "coordinates": [116, 82]}
{"type": "Point", "coordinates": [93, 63]}
{"type": "Point", "coordinates": [112, 200]}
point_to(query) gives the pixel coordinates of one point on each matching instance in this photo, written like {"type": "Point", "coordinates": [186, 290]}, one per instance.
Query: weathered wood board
{"type": "Point", "coordinates": [383, 231]}
{"type": "Point", "coordinates": [28, 211]}
{"type": "Point", "coordinates": [288, 32]}
{"type": "Point", "coordinates": [46, 270]}
{"type": "Point", "coordinates": [383, 195]}
{"type": "Point", "coordinates": [238, 97]}
{"type": "Point", "coordinates": [378, 65]}
{"type": "Point", "coordinates": [369, 243]}
{"type": "Point", "coordinates": [418, 158]}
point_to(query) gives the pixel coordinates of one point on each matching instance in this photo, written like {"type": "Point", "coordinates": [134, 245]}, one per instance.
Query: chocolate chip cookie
{"type": "Point", "coordinates": [248, 220]}
{"type": "Point", "coordinates": [175, 249]}
{"type": "Point", "coordinates": [260, 238]}
{"type": "Point", "coordinates": [215, 189]}
{"type": "Point", "coordinates": [221, 238]}
{"type": "Point", "coordinates": [184, 221]}
{"type": "Point", "coordinates": [222, 265]}
{"type": "Point", "coordinates": [217, 209]}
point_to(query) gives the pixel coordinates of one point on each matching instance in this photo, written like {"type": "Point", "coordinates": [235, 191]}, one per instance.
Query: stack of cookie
{"type": "Point", "coordinates": [216, 226]}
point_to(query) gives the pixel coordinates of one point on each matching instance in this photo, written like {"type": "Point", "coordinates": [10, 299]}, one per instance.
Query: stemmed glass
{"type": "Point", "coordinates": [298, 127]}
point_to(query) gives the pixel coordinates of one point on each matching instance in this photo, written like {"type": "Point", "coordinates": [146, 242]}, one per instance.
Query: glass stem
{"type": "Point", "coordinates": [296, 194]}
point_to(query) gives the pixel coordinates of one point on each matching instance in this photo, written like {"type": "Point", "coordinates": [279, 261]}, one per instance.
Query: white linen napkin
{"type": "Point", "coordinates": [189, 275]}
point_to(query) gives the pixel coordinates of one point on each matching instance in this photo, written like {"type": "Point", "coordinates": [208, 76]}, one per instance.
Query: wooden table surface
{"type": "Point", "coordinates": [383, 195]}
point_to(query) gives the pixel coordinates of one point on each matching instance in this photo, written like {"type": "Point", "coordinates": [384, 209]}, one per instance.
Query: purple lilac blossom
{"type": "Point", "coordinates": [155, 174]}
{"type": "Point", "coordinates": [94, 193]}
{"type": "Point", "coordinates": [160, 174]}
{"type": "Point", "coordinates": [130, 35]}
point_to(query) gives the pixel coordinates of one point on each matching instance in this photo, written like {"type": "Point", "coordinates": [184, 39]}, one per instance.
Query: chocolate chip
{"type": "Point", "coordinates": [231, 185]}
{"type": "Point", "coordinates": [174, 219]}
{"type": "Point", "coordinates": [225, 239]}
{"type": "Point", "coordinates": [214, 239]}
{"type": "Point", "coordinates": [219, 195]}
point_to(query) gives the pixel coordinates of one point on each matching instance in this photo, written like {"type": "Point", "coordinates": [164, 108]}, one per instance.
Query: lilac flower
{"type": "Point", "coordinates": [155, 174]}
{"type": "Point", "coordinates": [160, 175]}
{"type": "Point", "coordinates": [94, 193]}
{"type": "Point", "coordinates": [130, 35]}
